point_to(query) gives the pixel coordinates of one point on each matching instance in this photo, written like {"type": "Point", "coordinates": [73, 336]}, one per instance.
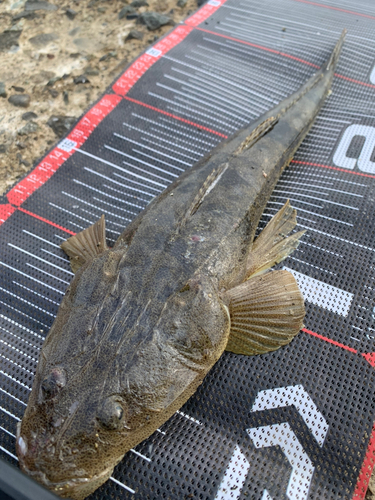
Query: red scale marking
{"type": "Point", "coordinates": [50, 164]}
{"type": "Point", "coordinates": [46, 221]}
{"type": "Point", "coordinates": [146, 60]}
{"type": "Point", "coordinates": [336, 8]}
{"type": "Point", "coordinates": [204, 13]}
{"type": "Point", "coordinates": [179, 118]}
{"type": "Point", "coordinates": [5, 212]}
{"type": "Point", "coordinates": [332, 168]}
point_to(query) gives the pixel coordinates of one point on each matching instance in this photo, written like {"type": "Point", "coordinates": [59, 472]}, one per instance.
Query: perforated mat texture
{"type": "Point", "coordinates": [294, 424]}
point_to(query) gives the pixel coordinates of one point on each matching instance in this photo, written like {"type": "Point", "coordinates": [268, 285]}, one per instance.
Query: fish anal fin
{"type": "Point", "coordinates": [86, 245]}
{"type": "Point", "coordinates": [273, 244]}
{"type": "Point", "coordinates": [257, 134]}
{"type": "Point", "coordinates": [266, 313]}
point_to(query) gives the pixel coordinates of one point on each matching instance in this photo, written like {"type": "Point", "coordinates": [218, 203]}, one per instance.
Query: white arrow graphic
{"type": "Point", "coordinates": [278, 435]}
{"type": "Point", "coordinates": [294, 395]}
{"type": "Point", "coordinates": [282, 435]}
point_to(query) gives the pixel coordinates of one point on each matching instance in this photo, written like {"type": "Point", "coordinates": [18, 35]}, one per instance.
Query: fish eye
{"type": "Point", "coordinates": [110, 414]}
{"type": "Point", "coordinates": [54, 381]}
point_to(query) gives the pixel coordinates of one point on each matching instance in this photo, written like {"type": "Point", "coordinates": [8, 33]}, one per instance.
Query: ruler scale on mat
{"type": "Point", "coordinates": [294, 424]}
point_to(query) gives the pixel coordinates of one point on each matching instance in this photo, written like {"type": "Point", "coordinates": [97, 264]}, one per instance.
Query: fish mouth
{"type": "Point", "coordinates": [76, 488]}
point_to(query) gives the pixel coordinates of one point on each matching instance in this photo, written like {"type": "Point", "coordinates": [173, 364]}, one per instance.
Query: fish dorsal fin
{"type": "Point", "coordinates": [273, 244]}
{"type": "Point", "coordinates": [257, 134]}
{"type": "Point", "coordinates": [266, 313]}
{"type": "Point", "coordinates": [211, 181]}
{"type": "Point", "coordinates": [85, 245]}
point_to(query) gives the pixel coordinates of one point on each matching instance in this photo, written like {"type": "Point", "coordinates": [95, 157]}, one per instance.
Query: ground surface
{"type": "Point", "coordinates": [44, 48]}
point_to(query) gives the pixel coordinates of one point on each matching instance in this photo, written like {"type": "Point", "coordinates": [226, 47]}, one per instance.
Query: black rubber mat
{"type": "Point", "coordinates": [294, 424]}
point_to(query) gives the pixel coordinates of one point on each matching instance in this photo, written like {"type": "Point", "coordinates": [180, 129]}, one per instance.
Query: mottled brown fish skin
{"type": "Point", "coordinates": [142, 323]}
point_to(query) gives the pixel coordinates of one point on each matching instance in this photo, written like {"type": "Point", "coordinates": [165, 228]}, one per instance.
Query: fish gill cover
{"type": "Point", "coordinates": [293, 424]}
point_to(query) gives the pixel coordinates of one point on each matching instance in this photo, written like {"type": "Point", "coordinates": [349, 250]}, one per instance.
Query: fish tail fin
{"type": "Point", "coordinates": [331, 63]}
{"type": "Point", "coordinates": [266, 313]}
{"type": "Point", "coordinates": [273, 244]}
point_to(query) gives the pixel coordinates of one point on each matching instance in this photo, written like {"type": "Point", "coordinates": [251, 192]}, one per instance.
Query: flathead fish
{"type": "Point", "coordinates": [143, 322]}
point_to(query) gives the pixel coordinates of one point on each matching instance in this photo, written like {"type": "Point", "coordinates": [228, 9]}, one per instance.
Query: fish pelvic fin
{"type": "Point", "coordinates": [86, 245]}
{"type": "Point", "coordinates": [266, 313]}
{"type": "Point", "coordinates": [273, 244]}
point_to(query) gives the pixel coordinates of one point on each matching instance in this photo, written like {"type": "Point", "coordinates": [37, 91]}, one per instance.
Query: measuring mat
{"type": "Point", "coordinates": [294, 424]}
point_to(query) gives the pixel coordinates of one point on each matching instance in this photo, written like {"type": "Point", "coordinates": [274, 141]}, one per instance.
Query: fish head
{"type": "Point", "coordinates": [114, 367]}
{"type": "Point", "coordinates": [71, 435]}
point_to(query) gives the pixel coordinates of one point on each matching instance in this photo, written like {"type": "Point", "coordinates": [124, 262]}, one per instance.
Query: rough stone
{"type": "Point", "coordinates": [3, 148]}
{"type": "Point", "coordinates": [201, 2]}
{"type": "Point", "coordinates": [18, 89]}
{"type": "Point", "coordinates": [89, 70]}
{"type": "Point", "coordinates": [154, 20]}
{"type": "Point", "coordinates": [61, 124]}
{"type": "Point", "coordinates": [32, 6]}
{"type": "Point", "coordinates": [125, 11]}
{"type": "Point", "coordinates": [134, 35]}
{"type": "Point", "coordinates": [29, 14]}
{"type": "Point", "coordinates": [81, 79]}
{"type": "Point", "coordinates": [29, 115]}
{"type": "Point", "coordinates": [29, 128]}
{"type": "Point", "coordinates": [139, 3]}
{"type": "Point", "coordinates": [181, 3]}
{"type": "Point", "coordinates": [132, 16]}
{"type": "Point", "coordinates": [43, 39]}
{"type": "Point", "coordinates": [8, 39]}
{"type": "Point", "coordinates": [71, 13]}
{"type": "Point", "coordinates": [3, 92]}
{"type": "Point", "coordinates": [20, 100]}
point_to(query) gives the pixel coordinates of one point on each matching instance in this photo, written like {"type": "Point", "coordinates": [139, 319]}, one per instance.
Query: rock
{"type": "Point", "coordinates": [181, 3]}
{"type": "Point", "coordinates": [53, 93]}
{"type": "Point", "coordinates": [134, 35]}
{"type": "Point", "coordinates": [21, 145]}
{"type": "Point", "coordinates": [26, 13]}
{"type": "Point", "coordinates": [43, 39]}
{"type": "Point", "coordinates": [71, 14]}
{"type": "Point", "coordinates": [3, 148]}
{"type": "Point", "coordinates": [29, 128]}
{"type": "Point", "coordinates": [29, 115]}
{"type": "Point", "coordinates": [101, 10]}
{"type": "Point", "coordinates": [2, 90]}
{"type": "Point", "coordinates": [75, 31]}
{"type": "Point", "coordinates": [89, 70]}
{"type": "Point", "coordinates": [8, 39]}
{"type": "Point", "coordinates": [66, 97]}
{"type": "Point", "coordinates": [125, 11]}
{"type": "Point", "coordinates": [81, 79]}
{"type": "Point", "coordinates": [32, 6]}
{"type": "Point", "coordinates": [201, 2]}
{"type": "Point", "coordinates": [113, 53]}
{"type": "Point", "coordinates": [154, 20]}
{"type": "Point", "coordinates": [18, 89]}
{"type": "Point", "coordinates": [139, 3]}
{"type": "Point", "coordinates": [61, 124]}
{"type": "Point", "coordinates": [19, 100]}
{"type": "Point", "coordinates": [132, 16]}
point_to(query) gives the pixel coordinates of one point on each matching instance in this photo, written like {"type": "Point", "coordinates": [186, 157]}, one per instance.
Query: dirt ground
{"type": "Point", "coordinates": [58, 57]}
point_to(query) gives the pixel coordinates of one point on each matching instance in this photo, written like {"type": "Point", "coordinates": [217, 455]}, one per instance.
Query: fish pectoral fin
{"type": "Point", "coordinates": [273, 244]}
{"type": "Point", "coordinates": [85, 245]}
{"type": "Point", "coordinates": [266, 313]}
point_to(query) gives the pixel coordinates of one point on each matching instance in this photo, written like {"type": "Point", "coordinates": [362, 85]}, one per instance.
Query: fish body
{"type": "Point", "coordinates": [143, 322]}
